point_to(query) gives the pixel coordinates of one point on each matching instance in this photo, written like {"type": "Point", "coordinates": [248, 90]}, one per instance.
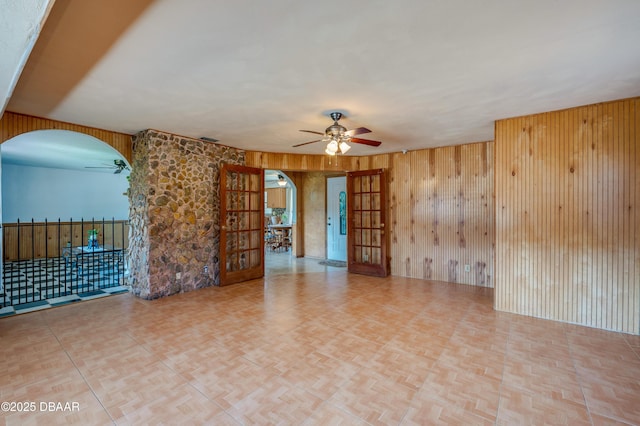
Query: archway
{"type": "Point", "coordinates": [61, 173]}
{"type": "Point", "coordinates": [55, 185]}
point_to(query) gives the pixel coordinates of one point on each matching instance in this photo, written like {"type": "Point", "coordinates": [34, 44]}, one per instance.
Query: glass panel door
{"type": "Point", "coordinates": [242, 217]}
{"type": "Point", "coordinates": [367, 245]}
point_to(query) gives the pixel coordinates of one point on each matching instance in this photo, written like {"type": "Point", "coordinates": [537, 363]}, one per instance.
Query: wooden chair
{"type": "Point", "coordinates": [286, 239]}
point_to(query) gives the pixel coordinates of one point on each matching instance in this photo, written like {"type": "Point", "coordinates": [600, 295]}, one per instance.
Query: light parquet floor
{"type": "Point", "coordinates": [314, 347]}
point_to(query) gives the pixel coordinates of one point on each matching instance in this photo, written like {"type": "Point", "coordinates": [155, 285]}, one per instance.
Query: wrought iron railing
{"type": "Point", "coordinates": [53, 260]}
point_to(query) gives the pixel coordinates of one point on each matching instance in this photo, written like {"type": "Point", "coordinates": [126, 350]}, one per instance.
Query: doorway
{"type": "Point", "coordinates": [280, 216]}
{"type": "Point", "coordinates": [337, 218]}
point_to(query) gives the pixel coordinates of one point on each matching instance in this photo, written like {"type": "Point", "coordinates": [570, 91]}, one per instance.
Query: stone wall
{"type": "Point", "coordinates": [174, 213]}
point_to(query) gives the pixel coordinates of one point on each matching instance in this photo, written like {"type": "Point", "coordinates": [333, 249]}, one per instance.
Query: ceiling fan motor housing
{"type": "Point", "coordinates": [335, 131]}
{"type": "Point", "coordinates": [337, 134]}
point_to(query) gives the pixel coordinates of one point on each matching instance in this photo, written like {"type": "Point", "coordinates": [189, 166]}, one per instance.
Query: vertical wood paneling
{"type": "Point", "coordinates": [421, 250]}
{"type": "Point", "coordinates": [567, 189]}
{"type": "Point", "coordinates": [440, 207]}
{"type": "Point", "coordinates": [13, 124]}
{"type": "Point", "coordinates": [315, 220]}
{"type": "Point", "coordinates": [634, 213]}
{"type": "Point", "coordinates": [400, 205]}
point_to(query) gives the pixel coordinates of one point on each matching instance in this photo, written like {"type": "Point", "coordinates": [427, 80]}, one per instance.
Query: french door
{"type": "Point", "coordinates": [367, 242]}
{"type": "Point", "coordinates": [242, 219]}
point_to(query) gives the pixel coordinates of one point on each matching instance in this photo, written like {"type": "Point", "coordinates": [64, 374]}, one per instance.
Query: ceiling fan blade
{"type": "Point", "coordinates": [99, 167]}
{"type": "Point", "coordinates": [358, 131]}
{"type": "Point", "coordinates": [365, 142]}
{"type": "Point", "coordinates": [307, 143]}
{"type": "Point", "coordinates": [314, 132]}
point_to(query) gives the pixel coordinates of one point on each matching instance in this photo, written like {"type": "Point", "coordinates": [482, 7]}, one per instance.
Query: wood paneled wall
{"type": "Point", "coordinates": [13, 124]}
{"type": "Point", "coordinates": [46, 240]}
{"type": "Point", "coordinates": [568, 222]}
{"type": "Point", "coordinates": [441, 214]}
{"type": "Point", "coordinates": [441, 207]}
{"type": "Point", "coordinates": [314, 213]}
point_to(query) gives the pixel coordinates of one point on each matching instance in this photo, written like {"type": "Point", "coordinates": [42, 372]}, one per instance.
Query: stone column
{"type": "Point", "coordinates": [175, 213]}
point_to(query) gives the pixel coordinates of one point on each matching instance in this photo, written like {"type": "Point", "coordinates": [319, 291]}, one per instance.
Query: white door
{"type": "Point", "coordinates": [337, 218]}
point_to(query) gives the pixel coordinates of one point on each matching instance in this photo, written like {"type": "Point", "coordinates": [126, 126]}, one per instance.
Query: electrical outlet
{"type": "Point", "coordinates": [467, 268]}
{"type": "Point", "coordinates": [206, 269]}
{"type": "Point", "coordinates": [178, 275]}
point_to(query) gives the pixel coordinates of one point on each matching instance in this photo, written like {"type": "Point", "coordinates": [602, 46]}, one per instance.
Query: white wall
{"type": "Point", "coordinates": [39, 193]}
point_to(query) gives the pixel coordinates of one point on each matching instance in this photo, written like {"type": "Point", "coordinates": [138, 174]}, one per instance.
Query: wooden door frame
{"type": "Point", "coordinates": [226, 277]}
{"type": "Point", "coordinates": [383, 268]}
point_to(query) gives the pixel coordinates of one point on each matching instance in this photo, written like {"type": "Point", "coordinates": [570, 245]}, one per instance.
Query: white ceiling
{"type": "Point", "coordinates": [61, 149]}
{"type": "Point", "coordinates": [419, 73]}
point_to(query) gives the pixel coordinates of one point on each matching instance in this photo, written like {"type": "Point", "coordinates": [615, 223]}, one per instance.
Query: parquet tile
{"type": "Point", "coordinates": [475, 394]}
{"type": "Point", "coordinates": [68, 386]}
{"type": "Point", "coordinates": [539, 379]}
{"type": "Point", "coordinates": [173, 403]}
{"type": "Point", "coordinates": [232, 381]}
{"type": "Point", "coordinates": [400, 366]}
{"type": "Point", "coordinates": [320, 374]}
{"type": "Point", "coordinates": [329, 414]}
{"type": "Point", "coordinates": [351, 348]}
{"type": "Point", "coordinates": [619, 401]}
{"type": "Point", "coordinates": [633, 341]}
{"type": "Point", "coordinates": [315, 347]}
{"type": "Point", "coordinates": [374, 398]}
{"type": "Point", "coordinates": [427, 411]}
{"type": "Point", "coordinates": [275, 401]}
{"type": "Point", "coordinates": [518, 407]}
{"type": "Point", "coordinates": [466, 356]}
{"type": "Point", "coordinates": [599, 420]}
{"type": "Point", "coordinates": [33, 369]}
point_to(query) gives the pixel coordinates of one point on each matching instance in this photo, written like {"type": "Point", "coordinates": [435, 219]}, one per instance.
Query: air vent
{"type": "Point", "coordinates": [206, 139]}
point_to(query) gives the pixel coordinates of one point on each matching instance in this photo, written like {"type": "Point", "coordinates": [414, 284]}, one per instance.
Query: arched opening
{"type": "Point", "coordinates": [59, 188]}
{"type": "Point", "coordinates": [60, 173]}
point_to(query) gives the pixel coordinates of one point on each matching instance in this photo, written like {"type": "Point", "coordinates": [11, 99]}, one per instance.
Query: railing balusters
{"type": "Point", "coordinates": [4, 283]}
{"type": "Point", "coordinates": [59, 251]}
{"type": "Point", "coordinates": [46, 262]}
{"type": "Point", "coordinates": [69, 261]}
{"type": "Point", "coordinates": [30, 272]}
{"type": "Point", "coordinates": [18, 255]}
{"type": "Point", "coordinates": [31, 265]}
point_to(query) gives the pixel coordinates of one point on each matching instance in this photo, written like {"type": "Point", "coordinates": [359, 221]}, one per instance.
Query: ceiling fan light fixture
{"type": "Point", "coordinates": [337, 138]}
{"type": "Point", "coordinates": [329, 152]}
{"type": "Point", "coordinates": [332, 146]}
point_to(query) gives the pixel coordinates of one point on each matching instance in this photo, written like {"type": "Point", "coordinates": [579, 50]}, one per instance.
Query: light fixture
{"type": "Point", "coordinates": [332, 147]}
{"type": "Point", "coordinates": [336, 137]}
{"type": "Point", "coordinates": [339, 143]}
{"type": "Point", "coordinates": [281, 181]}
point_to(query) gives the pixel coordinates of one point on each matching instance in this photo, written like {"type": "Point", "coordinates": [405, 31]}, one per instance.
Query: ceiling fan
{"type": "Point", "coordinates": [118, 166]}
{"type": "Point", "coordinates": [338, 137]}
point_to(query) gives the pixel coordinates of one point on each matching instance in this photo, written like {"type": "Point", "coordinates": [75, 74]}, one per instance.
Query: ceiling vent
{"type": "Point", "coordinates": [206, 139]}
